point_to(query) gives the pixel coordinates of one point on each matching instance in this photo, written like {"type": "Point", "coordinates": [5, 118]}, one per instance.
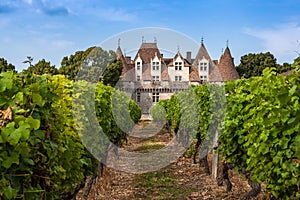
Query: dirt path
{"type": "Point", "coordinates": [179, 180]}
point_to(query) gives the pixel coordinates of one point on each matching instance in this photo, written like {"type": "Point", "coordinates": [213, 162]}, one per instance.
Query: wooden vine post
{"type": "Point", "coordinates": [215, 156]}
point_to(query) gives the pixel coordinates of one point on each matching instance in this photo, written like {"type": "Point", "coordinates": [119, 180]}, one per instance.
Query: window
{"type": "Point", "coordinates": [203, 78]}
{"type": "Point", "coordinates": [138, 65]}
{"type": "Point", "coordinates": [178, 65]}
{"type": "Point", "coordinates": [138, 77]}
{"type": "Point", "coordinates": [178, 78]}
{"type": "Point", "coordinates": [155, 65]}
{"type": "Point", "coordinates": [155, 97]}
{"type": "Point", "coordinates": [203, 66]}
{"type": "Point", "coordinates": [155, 78]}
{"type": "Point", "coordinates": [138, 97]}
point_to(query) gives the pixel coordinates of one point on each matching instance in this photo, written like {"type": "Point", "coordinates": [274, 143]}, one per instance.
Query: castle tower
{"type": "Point", "coordinates": [227, 67]}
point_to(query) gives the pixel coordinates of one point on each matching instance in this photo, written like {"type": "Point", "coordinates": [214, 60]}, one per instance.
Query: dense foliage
{"type": "Point", "coordinates": [253, 64]}
{"type": "Point", "coordinates": [5, 66]}
{"type": "Point", "coordinates": [42, 67]}
{"type": "Point", "coordinates": [92, 61]}
{"type": "Point", "coordinates": [42, 156]}
{"type": "Point", "coordinates": [261, 130]}
{"type": "Point", "coordinates": [112, 73]}
{"type": "Point", "coordinates": [260, 133]}
{"type": "Point", "coordinates": [209, 102]}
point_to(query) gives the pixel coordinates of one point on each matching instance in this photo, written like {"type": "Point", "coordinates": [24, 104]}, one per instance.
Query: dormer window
{"type": "Point", "coordinates": [178, 65]}
{"type": "Point", "coordinates": [155, 65]}
{"type": "Point", "coordinates": [203, 66]}
{"type": "Point", "coordinates": [138, 66]}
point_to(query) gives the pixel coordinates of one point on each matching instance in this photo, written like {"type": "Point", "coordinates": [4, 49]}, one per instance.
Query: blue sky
{"type": "Point", "coordinates": [52, 29]}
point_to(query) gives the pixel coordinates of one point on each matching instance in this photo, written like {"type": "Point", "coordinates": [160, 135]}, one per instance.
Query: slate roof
{"type": "Point", "coordinates": [202, 52]}
{"type": "Point", "coordinates": [226, 67]}
{"type": "Point", "coordinates": [194, 74]}
{"type": "Point", "coordinates": [168, 61]}
{"type": "Point", "coordinates": [127, 72]}
{"type": "Point", "coordinates": [186, 63]}
{"type": "Point", "coordinates": [219, 71]}
{"type": "Point", "coordinates": [147, 52]}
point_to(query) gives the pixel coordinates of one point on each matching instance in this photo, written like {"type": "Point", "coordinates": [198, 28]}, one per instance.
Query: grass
{"type": "Point", "coordinates": [161, 185]}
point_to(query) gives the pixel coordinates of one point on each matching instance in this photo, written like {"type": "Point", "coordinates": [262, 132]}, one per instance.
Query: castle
{"type": "Point", "coordinates": [150, 77]}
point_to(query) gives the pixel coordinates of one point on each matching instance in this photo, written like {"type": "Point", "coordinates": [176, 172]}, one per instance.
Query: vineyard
{"type": "Point", "coordinates": [260, 133]}
{"type": "Point", "coordinates": [44, 119]}
{"type": "Point", "coordinates": [42, 156]}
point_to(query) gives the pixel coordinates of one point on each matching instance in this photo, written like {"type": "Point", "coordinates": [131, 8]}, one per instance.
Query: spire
{"type": "Point", "coordinates": [227, 41]}
{"type": "Point", "coordinates": [202, 40]}
{"type": "Point", "coordinates": [178, 49]}
{"type": "Point", "coordinates": [119, 41]}
{"type": "Point", "coordinates": [119, 52]}
{"type": "Point", "coordinates": [227, 67]}
{"type": "Point", "coordinates": [202, 52]}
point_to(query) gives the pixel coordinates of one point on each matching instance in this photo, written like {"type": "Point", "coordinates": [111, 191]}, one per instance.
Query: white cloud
{"type": "Point", "coordinates": [280, 40]}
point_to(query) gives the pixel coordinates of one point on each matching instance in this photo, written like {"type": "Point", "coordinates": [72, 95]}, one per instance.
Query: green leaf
{"type": "Point", "coordinates": [19, 97]}
{"type": "Point", "coordinates": [34, 123]}
{"type": "Point", "coordinates": [37, 98]}
{"type": "Point", "coordinates": [10, 193]}
{"type": "Point", "coordinates": [23, 131]}
{"type": "Point", "coordinates": [28, 161]}
{"type": "Point", "coordinates": [291, 120]}
{"type": "Point", "coordinates": [14, 158]}
{"type": "Point", "coordinates": [284, 142]}
{"type": "Point", "coordinates": [6, 81]}
{"type": "Point", "coordinates": [5, 132]}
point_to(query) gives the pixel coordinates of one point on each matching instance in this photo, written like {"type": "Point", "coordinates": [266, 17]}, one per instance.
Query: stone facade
{"type": "Point", "coordinates": [150, 77]}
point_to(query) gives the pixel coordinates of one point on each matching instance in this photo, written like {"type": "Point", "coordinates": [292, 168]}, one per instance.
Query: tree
{"type": "Point", "coordinates": [296, 64]}
{"type": "Point", "coordinates": [90, 63]}
{"type": "Point", "coordinates": [284, 68]}
{"type": "Point", "coordinates": [5, 66]}
{"type": "Point", "coordinates": [254, 64]}
{"type": "Point", "coordinates": [112, 73]}
{"type": "Point", "coordinates": [42, 67]}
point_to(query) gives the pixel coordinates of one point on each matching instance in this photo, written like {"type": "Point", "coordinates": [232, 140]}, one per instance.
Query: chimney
{"type": "Point", "coordinates": [128, 59]}
{"type": "Point", "coordinates": [189, 56]}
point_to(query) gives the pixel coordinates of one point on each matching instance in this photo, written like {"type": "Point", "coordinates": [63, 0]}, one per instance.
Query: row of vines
{"type": "Point", "coordinates": [259, 122]}
{"type": "Point", "coordinates": [261, 130]}
{"type": "Point", "coordinates": [41, 153]}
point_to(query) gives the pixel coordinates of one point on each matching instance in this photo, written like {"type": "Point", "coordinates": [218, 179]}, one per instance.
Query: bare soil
{"type": "Point", "coordinates": [180, 180]}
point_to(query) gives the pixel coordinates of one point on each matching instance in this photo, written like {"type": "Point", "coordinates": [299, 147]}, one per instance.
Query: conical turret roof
{"type": "Point", "coordinates": [226, 66]}
{"type": "Point", "coordinates": [125, 75]}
